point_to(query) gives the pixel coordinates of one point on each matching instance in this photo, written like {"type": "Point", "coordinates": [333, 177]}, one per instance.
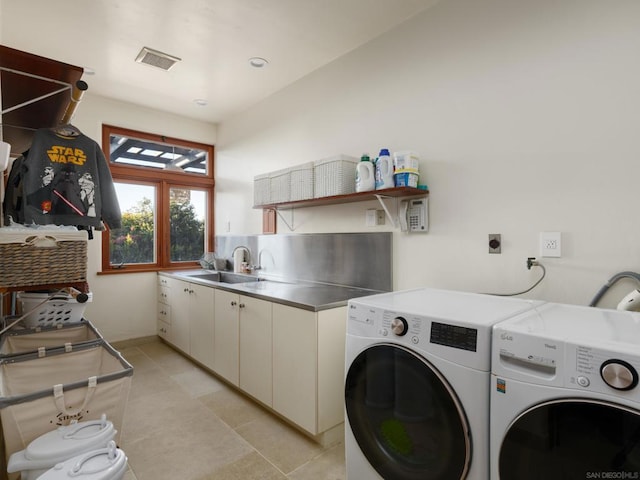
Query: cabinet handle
{"type": "Point", "coordinates": [233, 304]}
{"type": "Point", "coordinates": [190, 292]}
{"type": "Point", "coordinates": [241, 305]}
{"type": "Point", "coordinates": [185, 289]}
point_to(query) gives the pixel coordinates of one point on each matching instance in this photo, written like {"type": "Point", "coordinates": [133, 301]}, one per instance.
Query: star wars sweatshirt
{"type": "Point", "coordinates": [66, 181]}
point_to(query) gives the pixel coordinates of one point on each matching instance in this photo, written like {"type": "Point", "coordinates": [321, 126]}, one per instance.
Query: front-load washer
{"type": "Point", "coordinates": [565, 402]}
{"type": "Point", "coordinates": [417, 383]}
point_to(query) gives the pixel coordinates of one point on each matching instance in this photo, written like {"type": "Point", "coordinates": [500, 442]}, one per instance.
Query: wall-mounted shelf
{"type": "Point", "coordinates": [396, 192]}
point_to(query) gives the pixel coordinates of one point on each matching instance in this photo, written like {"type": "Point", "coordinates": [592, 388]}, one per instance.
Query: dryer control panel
{"type": "Point", "coordinates": [582, 367]}
{"type": "Point", "coordinates": [598, 370]}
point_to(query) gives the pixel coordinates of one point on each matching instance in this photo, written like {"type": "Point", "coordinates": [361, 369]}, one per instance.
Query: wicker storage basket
{"type": "Point", "coordinates": [262, 189]}
{"type": "Point", "coordinates": [335, 176]}
{"type": "Point", "coordinates": [42, 257]}
{"type": "Point", "coordinates": [39, 393]}
{"type": "Point", "coordinates": [19, 340]}
{"type": "Point", "coordinates": [280, 186]}
{"type": "Point", "coordinates": [302, 181]}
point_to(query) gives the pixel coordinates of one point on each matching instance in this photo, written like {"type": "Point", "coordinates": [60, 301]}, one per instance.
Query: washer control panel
{"type": "Point", "coordinates": [374, 322]}
{"type": "Point", "coordinates": [414, 329]}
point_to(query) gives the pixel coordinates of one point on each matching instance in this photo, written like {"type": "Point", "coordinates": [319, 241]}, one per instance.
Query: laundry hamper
{"type": "Point", "coordinates": [42, 256]}
{"type": "Point", "coordinates": [58, 308]}
{"type": "Point", "coordinates": [20, 340]}
{"type": "Point", "coordinates": [37, 394]}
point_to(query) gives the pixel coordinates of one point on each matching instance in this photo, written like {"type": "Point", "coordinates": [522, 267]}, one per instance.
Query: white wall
{"type": "Point", "coordinates": [525, 117]}
{"type": "Point", "coordinates": [124, 305]}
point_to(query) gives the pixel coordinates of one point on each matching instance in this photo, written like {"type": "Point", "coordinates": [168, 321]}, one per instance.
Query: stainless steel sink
{"type": "Point", "coordinates": [225, 277]}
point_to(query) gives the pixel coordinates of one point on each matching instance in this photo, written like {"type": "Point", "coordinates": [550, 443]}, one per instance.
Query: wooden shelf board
{"type": "Point", "coordinates": [395, 192]}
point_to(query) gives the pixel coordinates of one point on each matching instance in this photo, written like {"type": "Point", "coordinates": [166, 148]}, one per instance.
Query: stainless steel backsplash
{"type": "Point", "coordinates": [362, 260]}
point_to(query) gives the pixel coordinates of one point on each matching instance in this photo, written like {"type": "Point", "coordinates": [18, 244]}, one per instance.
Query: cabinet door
{"type": "Point", "coordinates": [201, 323]}
{"type": "Point", "coordinates": [179, 301]}
{"type": "Point", "coordinates": [295, 365]}
{"type": "Point", "coordinates": [256, 348]}
{"type": "Point", "coordinates": [226, 336]}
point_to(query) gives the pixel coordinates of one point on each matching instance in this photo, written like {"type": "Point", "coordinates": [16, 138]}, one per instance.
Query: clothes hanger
{"type": "Point", "coordinates": [66, 130]}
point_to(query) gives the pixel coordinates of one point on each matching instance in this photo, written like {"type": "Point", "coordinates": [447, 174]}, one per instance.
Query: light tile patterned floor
{"type": "Point", "coordinates": [183, 423]}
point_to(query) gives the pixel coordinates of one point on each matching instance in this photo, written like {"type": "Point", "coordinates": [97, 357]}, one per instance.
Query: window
{"type": "Point", "coordinates": [165, 189]}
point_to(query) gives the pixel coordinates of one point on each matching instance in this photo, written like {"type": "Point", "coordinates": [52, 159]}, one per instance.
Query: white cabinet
{"type": "Point", "coordinates": [179, 301]}
{"type": "Point", "coordinates": [308, 366]}
{"type": "Point", "coordinates": [164, 309]}
{"type": "Point", "coordinates": [289, 359]}
{"type": "Point", "coordinates": [256, 348]}
{"type": "Point", "coordinates": [242, 343]}
{"type": "Point", "coordinates": [226, 356]}
{"type": "Point", "coordinates": [201, 323]}
{"type": "Point", "coordinates": [185, 317]}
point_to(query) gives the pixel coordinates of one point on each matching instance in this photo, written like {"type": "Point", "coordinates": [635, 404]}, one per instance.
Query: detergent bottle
{"type": "Point", "coordinates": [384, 170]}
{"type": "Point", "coordinates": [365, 175]}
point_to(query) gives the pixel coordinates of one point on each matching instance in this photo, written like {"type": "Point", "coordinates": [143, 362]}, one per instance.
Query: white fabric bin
{"type": "Point", "coordinates": [40, 393]}
{"type": "Point", "coordinates": [20, 340]}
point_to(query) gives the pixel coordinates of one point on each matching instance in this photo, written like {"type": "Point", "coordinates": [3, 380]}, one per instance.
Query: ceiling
{"type": "Point", "coordinates": [213, 38]}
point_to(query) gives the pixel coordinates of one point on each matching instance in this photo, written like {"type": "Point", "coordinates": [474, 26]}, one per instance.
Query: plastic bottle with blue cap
{"type": "Point", "coordinates": [384, 170]}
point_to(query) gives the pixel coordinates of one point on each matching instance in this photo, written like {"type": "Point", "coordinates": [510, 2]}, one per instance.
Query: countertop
{"type": "Point", "coordinates": [305, 295]}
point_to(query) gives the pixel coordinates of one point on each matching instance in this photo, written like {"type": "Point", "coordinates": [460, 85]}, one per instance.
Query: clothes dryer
{"type": "Point", "coordinates": [417, 384]}
{"type": "Point", "coordinates": [565, 402]}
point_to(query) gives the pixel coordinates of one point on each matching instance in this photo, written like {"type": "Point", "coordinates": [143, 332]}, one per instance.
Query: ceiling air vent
{"type": "Point", "coordinates": [157, 59]}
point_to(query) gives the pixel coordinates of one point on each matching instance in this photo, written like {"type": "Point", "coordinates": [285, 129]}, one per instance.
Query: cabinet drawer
{"type": "Point", "coordinates": [164, 330]}
{"type": "Point", "coordinates": [164, 313]}
{"type": "Point", "coordinates": [163, 294]}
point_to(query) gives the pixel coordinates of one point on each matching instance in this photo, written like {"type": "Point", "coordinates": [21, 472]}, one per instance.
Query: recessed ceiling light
{"type": "Point", "coordinates": [89, 71]}
{"type": "Point", "coordinates": [201, 102]}
{"type": "Point", "coordinates": [258, 62]}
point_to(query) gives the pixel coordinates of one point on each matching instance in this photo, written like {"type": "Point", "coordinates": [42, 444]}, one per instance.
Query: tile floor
{"type": "Point", "coordinates": [183, 423]}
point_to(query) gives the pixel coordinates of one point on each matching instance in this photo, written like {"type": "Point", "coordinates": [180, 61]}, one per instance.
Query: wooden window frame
{"type": "Point", "coordinates": [164, 181]}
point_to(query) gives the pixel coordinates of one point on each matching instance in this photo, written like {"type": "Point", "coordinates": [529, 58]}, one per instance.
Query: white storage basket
{"type": "Point", "coordinates": [61, 308]}
{"type": "Point", "coordinates": [335, 176]}
{"type": "Point", "coordinates": [19, 340]}
{"type": "Point", "coordinates": [262, 189]}
{"type": "Point", "coordinates": [280, 190]}
{"type": "Point", "coordinates": [302, 186]}
{"type": "Point", "coordinates": [39, 393]}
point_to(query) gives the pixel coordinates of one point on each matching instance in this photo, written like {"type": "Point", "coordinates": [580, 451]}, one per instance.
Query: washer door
{"type": "Point", "coordinates": [405, 417]}
{"type": "Point", "coordinates": [572, 439]}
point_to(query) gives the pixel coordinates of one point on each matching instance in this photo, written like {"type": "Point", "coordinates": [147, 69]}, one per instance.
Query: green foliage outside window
{"type": "Point", "coordinates": [134, 242]}
{"type": "Point", "coordinates": [187, 233]}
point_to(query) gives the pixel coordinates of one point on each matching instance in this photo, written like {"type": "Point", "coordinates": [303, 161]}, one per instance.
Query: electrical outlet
{"type": "Point", "coordinates": [550, 244]}
{"type": "Point", "coordinates": [370, 217]}
{"type": "Point", "coordinates": [374, 217]}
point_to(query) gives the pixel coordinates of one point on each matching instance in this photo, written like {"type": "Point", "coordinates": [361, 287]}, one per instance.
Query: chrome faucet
{"type": "Point", "coordinates": [259, 265]}
{"type": "Point", "coordinates": [236, 268]}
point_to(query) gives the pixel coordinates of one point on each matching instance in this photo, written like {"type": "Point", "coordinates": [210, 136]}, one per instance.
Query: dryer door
{"type": "Point", "coordinates": [406, 418]}
{"type": "Point", "coordinates": [572, 439]}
